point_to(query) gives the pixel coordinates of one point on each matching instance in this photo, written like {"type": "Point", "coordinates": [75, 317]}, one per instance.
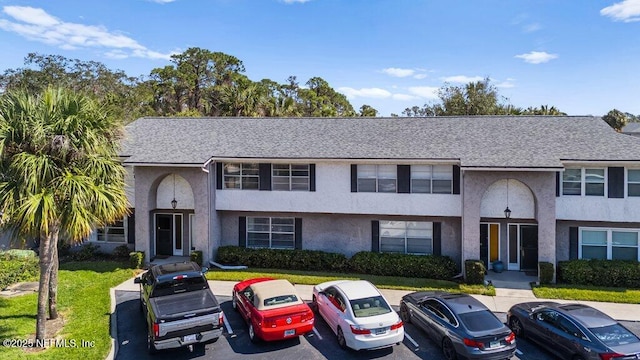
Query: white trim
{"type": "Point", "coordinates": [405, 235]}
{"type": "Point", "coordinates": [156, 164]}
{"type": "Point", "coordinates": [176, 251]}
{"type": "Point", "coordinates": [583, 181]}
{"type": "Point", "coordinates": [609, 244]}
{"type": "Point", "coordinates": [518, 265]}
{"type": "Point", "coordinates": [399, 161]}
{"type": "Point", "coordinates": [515, 168]}
{"type": "Point", "coordinates": [125, 225]}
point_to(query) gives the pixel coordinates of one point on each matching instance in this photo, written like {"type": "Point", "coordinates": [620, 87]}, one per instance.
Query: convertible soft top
{"type": "Point", "coordinates": [273, 294]}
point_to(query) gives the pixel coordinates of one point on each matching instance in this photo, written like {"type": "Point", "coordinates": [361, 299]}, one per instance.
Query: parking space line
{"type": "Point", "coordinates": [411, 339]}
{"type": "Point", "coordinates": [226, 324]}
{"type": "Point", "coordinates": [317, 333]}
{"type": "Point", "coordinates": [519, 352]}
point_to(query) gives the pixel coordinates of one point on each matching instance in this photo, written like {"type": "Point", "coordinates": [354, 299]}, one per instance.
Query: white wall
{"type": "Point", "coordinates": [597, 208]}
{"type": "Point", "coordinates": [520, 200]}
{"type": "Point", "coordinates": [333, 195]}
{"type": "Point", "coordinates": [183, 193]}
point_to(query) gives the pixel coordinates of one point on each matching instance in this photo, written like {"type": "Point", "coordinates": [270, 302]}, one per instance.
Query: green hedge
{"type": "Point", "coordinates": [546, 272]}
{"type": "Point", "coordinates": [609, 273]}
{"type": "Point", "coordinates": [474, 271]}
{"type": "Point", "coordinates": [196, 257]}
{"type": "Point", "coordinates": [17, 267]}
{"type": "Point", "coordinates": [136, 259]}
{"type": "Point", "coordinates": [433, 267]}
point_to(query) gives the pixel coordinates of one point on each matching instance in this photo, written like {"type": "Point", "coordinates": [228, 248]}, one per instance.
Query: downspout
{"type": "Point", "coordinates": [462, 259]}
{"type": "Point", "coordinates": [205, 168]}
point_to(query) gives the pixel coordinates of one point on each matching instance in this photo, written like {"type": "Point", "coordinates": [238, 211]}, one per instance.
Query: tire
{"type": "Point", "coordinates": [516, 326]}
{"type": "Point", "coordinates": [234, 303]}
{"type": "Point", "coordinates": [341, 340]}
{"type": "Point", "coordinates": [448, 350]}
{"type": "Point", "coordinates": [314, 304]}
{"type": "Point", "coordinates": [252, 334]}
{"type": "Point", "coordinates": [404, 314]}
{"type": "Point", "coordinates": [151, 349]}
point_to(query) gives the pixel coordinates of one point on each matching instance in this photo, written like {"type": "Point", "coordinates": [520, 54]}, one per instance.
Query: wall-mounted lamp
{"type": "Point", "coordinates": [507, 211]}
{"type": "Point", "coordinates": [174, 202]}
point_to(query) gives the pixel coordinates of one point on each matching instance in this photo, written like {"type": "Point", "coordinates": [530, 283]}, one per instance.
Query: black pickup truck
{"type": "Point", "coordinates": [179, 307]}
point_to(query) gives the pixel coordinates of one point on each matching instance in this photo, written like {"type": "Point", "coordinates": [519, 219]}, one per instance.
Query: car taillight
{"type": "Point", "coordinates": [221, 318]}
{"type": "Point", "coordinates": [397, 325]}
{"type": "Point", "coordinates": [474, 343]}
{"type": "Point", "coordinates": [509, 339]}
{"type": "Point", "coordinates": [359, 330]}
{"type": "Point", "coordinates": [307, 316]}
{"type": "Point", "coordinates": [156, 329]}
{"type": "Point", "coordinates": [269, 323]}
{"type": "Point", "coordinates": [609, 356]}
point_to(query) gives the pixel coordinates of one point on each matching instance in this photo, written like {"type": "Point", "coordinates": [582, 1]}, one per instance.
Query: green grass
{"type": "Point", "coordinates": [588, 293]}
{"type": "Point", "coordinates": [83, 301]}
{"type": "Point", "coordinates": [383, 282]}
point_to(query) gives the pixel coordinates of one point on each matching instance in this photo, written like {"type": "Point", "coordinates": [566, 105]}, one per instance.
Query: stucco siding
{"type": "Point", "coordinates": [562, 233]}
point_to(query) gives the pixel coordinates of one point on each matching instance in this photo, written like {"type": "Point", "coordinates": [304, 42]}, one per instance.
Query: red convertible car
{"type": "Point", "coordinates": [272, 308]}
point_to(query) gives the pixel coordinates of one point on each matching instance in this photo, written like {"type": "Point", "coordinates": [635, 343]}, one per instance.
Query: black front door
{"type": "Point", "coordinates": [164, 234]}
{"type": "Point", "coordinates": [529, 247]}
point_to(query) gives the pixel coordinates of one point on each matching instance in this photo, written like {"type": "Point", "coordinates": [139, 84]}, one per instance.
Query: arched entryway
{"type": "Point", "coordinates": [512, 240]}
{"type": "Point", "coordinates": [173, 216]}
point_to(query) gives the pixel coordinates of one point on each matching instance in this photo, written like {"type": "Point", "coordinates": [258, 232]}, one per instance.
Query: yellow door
{"type": "Point", "coordinates": [494, 230]}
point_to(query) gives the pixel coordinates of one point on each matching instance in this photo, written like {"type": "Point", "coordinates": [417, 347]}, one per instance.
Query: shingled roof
{"type": "Point", "coordinates": [482, 141]}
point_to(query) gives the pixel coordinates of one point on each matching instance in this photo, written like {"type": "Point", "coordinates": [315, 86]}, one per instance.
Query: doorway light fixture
{"type": "Point", "coordinates": [507, 211]}
{"type": "Point", "coordinates": [174, 202]}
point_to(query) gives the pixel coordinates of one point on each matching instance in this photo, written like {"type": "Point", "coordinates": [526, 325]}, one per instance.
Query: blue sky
{"type": "Point", "coordinates": [580, 56]}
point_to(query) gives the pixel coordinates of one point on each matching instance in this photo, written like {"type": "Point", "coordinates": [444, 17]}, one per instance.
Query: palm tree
{"type": "Point", "coordinates": [59, 175]}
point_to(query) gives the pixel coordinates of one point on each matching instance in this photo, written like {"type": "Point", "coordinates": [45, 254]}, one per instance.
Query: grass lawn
{"type": "Point", "coordinates": [383, 282]}
{"type": "Point", "coordinates": [83, 301]}
{"type": "Point", "coordinates": [588, 293]}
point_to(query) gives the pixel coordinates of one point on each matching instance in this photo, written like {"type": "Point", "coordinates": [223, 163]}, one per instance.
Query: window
{"type": "Point", "coordinates": [241, 176]}
{"type": "Point", "coordinates": [589, 182]}
{"type": "Point", "coordinates": [274, 233]}
{"type": "Point", "coordinates": [609, 244]}
{"type": "Point", "coordinates": [113, 232]}
{"type": "Point", "coordinates": [439, 310]}
{"type": "Point", "coordinates": [290, 177]}
{"type": "Point", "coordinates": [377, 178]}
{"type": "Point", "coordinates": [406, 237]}
{"type": "Point", "coordinates": [633, 182]}
{"type": "Point", "coordinates": [432, 179]}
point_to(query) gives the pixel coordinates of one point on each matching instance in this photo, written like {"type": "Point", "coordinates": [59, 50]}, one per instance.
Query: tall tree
{"type": "Point", "coordinates": [368, 110]}
{"type": "Point", "coordinates": [616, 119]}
{"type": "Point", "coordinates": [59, 175]}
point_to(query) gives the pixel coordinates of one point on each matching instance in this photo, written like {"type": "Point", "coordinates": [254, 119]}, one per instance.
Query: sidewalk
{"type": "Point", "coordinates": [507, 295]}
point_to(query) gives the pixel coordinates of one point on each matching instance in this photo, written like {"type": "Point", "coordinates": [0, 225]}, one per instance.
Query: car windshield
{"type": "Point", "coordinates": [480, 320]}
{"type": "Point", "coordinates": [282, 299]}
{"type": "Point", "coordinates": [180, 285]}
{"type": "Point", "coordinates": [614, 335]}
{"type": "Point", "coordinates": [370, 306]}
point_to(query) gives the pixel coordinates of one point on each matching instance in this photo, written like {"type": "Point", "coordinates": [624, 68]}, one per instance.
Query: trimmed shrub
{"type": "Point", "coordinates": [388, 264]}
{"type": "Point", "coordinates": [474, 271]}
{"type": "Point", "coordinates": [607, 273]}
{"type": "Point", "coordinates": [196, 256]}
{"type": "Point", "coordinates": [136, 259]}
{"type": "Point", "coordinates": [18, 266]}
{"type": "Point", "coordinates": [87, 252]}
{"type": "Point", "coordinates": [546, 272]}
{"type": "Point", "coordinates": [121, 252]}
{"type": "Point", "coordinates": [310, 260]}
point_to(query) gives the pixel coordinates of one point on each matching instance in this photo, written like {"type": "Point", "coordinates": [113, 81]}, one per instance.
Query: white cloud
{"type": "Point", "coordinates": [295, 1]}
{"type": "Point", "coordinates": [163, 1]}
{"type": "Point", "coordinates": [509, 83]}
{"type": "Point", "coordinates": [462, 79]}
{"type": "Point", "coordinates": [420, 76]}
{"type": "Point", "coordinates": [537, 57]}
{"type": "Point", "coordinates": [529, 28]}
{"type": "Point", "coordinates": [37, 25]}
{"type": "Point", "coordinates": [427, 92]}
{"type": "Point", "coordinates": [398, 72]}
{"type": "Point", "coordinates": [404, 97]}
{"type": "Point", "coordinates": [626, 11]}
{"type": "Point", "coordinates": [375, 93]}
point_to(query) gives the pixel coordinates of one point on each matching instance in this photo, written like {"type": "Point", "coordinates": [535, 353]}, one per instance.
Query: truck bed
{"type": "Point", "coordinates": [184, 305]}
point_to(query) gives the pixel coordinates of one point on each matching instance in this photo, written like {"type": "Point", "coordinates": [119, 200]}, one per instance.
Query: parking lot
{"type": "Point", "coordinates": [321, 344]}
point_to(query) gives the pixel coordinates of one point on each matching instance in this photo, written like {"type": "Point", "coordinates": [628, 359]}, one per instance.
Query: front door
{"type": "Point", "coordinates": [523, 247]}
{"type": "Point", "coordinates": [164, 234]}
{"type": "Point", "coordinates": [489, 244]}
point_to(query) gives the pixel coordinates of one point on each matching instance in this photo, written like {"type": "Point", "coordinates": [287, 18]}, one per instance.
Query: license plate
{"type": "Point", "coordinates": [290, 332]}
{"type": "Point", "coordinates": [494, 344]}
{"type": "Point", "coordinates": [189, 338]}
{"type": "Point", "coordinates": [380, 330]}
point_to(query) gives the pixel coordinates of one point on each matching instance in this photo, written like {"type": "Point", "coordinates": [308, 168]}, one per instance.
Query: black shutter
{"type": "Point", "coordinates": [616, 182]}
{"type": "Point", "coordinates": [404, 179]}
{"type": "Point", "coordinates": [218, 175]}
{"type": "Point", "coordinates": [264, 171]}
{"type": "Point", "coordinates": [298, 233]}
{"type": "Point", "coordinates": [456, 179]}
{"type": "Point", "coordinates": [354, 178]}
{"type": "Point", "coordinates": [131, 227]}
{"type": "Point", "coordinates": [557, 183]}
{"type": "Point", "coordinates": [312, 177]}
{"type": "Point", "coordinates": [573, 243]}
{"type": "Point", "coordinates": [437, 238]}
{"type": "Point", "coordinates": [375, 236]}
{"type": "Point", "coordinates": [242, 231]}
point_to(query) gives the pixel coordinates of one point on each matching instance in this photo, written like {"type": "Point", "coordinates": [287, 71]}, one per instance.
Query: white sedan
{"type": "Point", "coordinates": [358, 314]}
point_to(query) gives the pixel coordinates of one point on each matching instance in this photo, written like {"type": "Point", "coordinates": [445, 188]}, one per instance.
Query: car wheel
{"type": "Point", "coordinates": [234, 303]}
{"type": "Point", "coordinates": [341, 340]}
{"type": "Point", "coordinates": [516, 326]}
{"type": "Point", "coordinates": [252, 334]}
{"type": "Point", "coordinates": [448, 350]}
{"type": "Point", "coordinates": [404, 314]}
{"type": "Point", "coordinates": [151, 349]}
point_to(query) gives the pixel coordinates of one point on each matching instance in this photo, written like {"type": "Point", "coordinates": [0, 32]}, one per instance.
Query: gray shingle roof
{"type": "Point", "coordinates": [485, 141]}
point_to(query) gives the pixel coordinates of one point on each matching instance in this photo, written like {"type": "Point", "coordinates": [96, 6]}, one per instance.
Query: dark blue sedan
{"type": "Point", "coordinates": [460, 324]}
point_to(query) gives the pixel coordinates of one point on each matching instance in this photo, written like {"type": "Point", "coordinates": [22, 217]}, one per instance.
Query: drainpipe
{"type": "Point", "coordinates": [462, 173]}
{"type": "Point", "coordinates": [210, 188]}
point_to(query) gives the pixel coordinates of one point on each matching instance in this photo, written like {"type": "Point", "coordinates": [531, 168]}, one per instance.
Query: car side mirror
{"type": "Point", "coordinates": [204, 269]}
{"type": "Point", "coordinates": [138, 281]}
